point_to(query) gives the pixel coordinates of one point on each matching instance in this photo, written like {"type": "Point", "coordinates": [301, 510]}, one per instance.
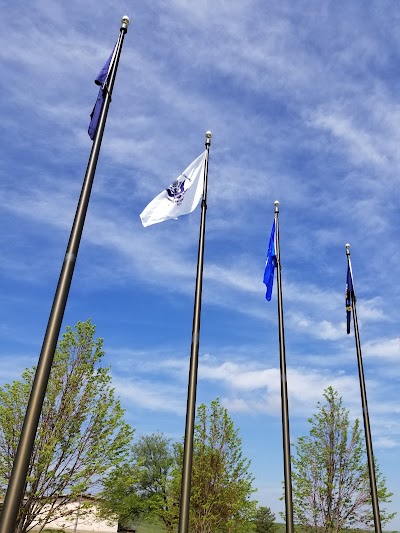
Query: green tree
{"type": "Point", "coordinates": [331, 489]}
{"type": "Point", "coordinates": [81, 434]}
{"type": "Point", "coordinates": [264, 520]}
{"type": "Point", "coordinates": [154, 462]}
{"type": "Point", "coordinates": [221, 482]}
{"type": "Point", "coordinates": [119, 497]}
{"type": "Point", "coordinates": [141, 489]}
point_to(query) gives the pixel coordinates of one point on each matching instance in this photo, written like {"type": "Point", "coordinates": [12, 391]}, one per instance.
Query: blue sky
{"type": "Point", "coordinates": [303, 103]}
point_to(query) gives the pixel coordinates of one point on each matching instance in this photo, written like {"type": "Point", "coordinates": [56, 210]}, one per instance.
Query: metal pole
{"type": "Point", "coordinates": [367, 429]}
{"type": "Point", "coordinates": [17, 483]}
{"type": "Point", "coordinates": [194, 362]}
{"type": "Point", "coordinates": [284, 393]}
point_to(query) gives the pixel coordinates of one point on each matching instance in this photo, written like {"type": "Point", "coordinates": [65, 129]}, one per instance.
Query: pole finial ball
{"type": "Point", "coordinates": [208, 134]}
{"type": "Point", "coordinates": [276, 202]}
{"type": "Point", "coordinates": [125, 20]}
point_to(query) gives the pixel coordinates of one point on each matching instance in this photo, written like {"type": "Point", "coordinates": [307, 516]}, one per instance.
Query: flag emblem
{"type": "Point", "coordinates": [176, 191]}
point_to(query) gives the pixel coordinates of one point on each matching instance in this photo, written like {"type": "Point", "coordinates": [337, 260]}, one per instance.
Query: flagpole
{"type": "Point", "coordinates": [284, 393]}
{"type": "Point", "coordinates": [17, 482]}
{"type": "Point", "coordinates": [194, 363]}
{"type": "Point", "coordinates": [367, 429]}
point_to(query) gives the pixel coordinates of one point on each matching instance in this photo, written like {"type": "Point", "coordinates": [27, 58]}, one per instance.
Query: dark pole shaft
{"type": "Point", "coordinates": [17, 483]}
{"type": "Point", "coordinates": [367, 429]}
{"type": "Point", "coordinates": [194, 363]}
{"type": "Point", "coordinates": [284, 393]}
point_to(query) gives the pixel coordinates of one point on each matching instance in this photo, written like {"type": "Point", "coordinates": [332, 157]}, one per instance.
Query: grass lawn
{"type": "Point", "coordinates": [145, 527]}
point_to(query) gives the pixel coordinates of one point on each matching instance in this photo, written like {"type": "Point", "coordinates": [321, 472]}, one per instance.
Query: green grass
{"type": "Point", "coordinates": [145, 527]}
{"type": "Point", "coordinates": [140, 528]}
{"type": "Point", "coordinates": [281, 528]}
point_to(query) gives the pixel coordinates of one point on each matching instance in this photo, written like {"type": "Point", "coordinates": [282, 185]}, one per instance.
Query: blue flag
{"type": "Point", "coordinates": [102, 79]}
{"type": "Point", "coordinates": [350, 296]}
{"type": "Point", "coordinates": [270, 264]}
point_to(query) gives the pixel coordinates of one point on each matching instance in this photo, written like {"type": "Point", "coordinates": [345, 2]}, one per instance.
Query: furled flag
{"type": "Point", "coordinates": [102, 80]}
{"type": "Point", "coordinates": [270, 264]}
{"type": "Point", "coordinates": [350, 296]}
{"type": "Point", "coordinates": [181, 197]}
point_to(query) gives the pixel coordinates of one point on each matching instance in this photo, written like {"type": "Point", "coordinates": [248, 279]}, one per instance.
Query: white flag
{"type": "Point", "coordinates": [181, 197]}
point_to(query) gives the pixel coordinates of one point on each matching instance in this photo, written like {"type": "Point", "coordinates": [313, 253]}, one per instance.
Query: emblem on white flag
{"type": "Point", "coordinates": [180, 198]}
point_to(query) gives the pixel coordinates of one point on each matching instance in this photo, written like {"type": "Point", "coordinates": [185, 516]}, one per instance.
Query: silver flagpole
{"type": "Point", "coordinates": [194, 362]}
{"type": "Point", "coordinates": [284, 392]}
{"type": "Point", "coordinates": [367, 429]}
{"type": "Point", "coordinates": [17, 483]}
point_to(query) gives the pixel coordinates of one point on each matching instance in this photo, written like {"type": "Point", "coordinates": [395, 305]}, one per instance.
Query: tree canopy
{"type": "Point", "coordinates": [81, 434]}
{"type": "Point", "coordinates": [141, 488]}
{"type": "Point", "coordinates": [264, 520]}
{"type": "Point", "coordinates": [331, 488]}
{"type": "Point", "coordinates": [221, 483]}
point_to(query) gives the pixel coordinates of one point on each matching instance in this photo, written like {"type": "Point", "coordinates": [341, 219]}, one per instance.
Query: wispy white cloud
{"type": "Point", "coordinates": [143, 394]}
{"type": "Point", "coordinates": [360, 144]}
{"type": "Point", "coordinates": [383, 349]}
{"type": "Point", "coordinates": [252, 388]}
{"type": "Point", "coordinates": [385, 442]}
